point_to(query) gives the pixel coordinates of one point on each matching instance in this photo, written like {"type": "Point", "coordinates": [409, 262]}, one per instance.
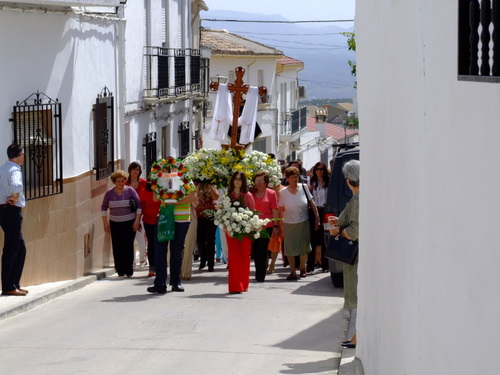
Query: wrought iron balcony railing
{"type": "Point", "coordinates": [172, 72]}
{"type": "Point", "coordinates": [479, 40]}
{"type": "Point", "coordinates": [298, 122]}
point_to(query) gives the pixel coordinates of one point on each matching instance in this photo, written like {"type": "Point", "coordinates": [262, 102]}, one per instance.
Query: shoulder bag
{"type": "Point", "coordinates": [310, 211]}
{"type": "Point", "coordinates": [342, 249]}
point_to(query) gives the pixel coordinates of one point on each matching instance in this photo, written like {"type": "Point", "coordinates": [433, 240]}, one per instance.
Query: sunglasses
{"type": "Point", "coordinates": [237, 179]}
{"type": "Point", "coordinates": [320, 169]}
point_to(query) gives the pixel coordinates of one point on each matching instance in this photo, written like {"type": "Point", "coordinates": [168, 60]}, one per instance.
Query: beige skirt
{"type": "Point", "coordinates": [297, 238]}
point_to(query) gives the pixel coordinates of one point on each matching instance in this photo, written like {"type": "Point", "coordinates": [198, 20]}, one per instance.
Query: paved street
{"type": "Point", "coordinates": [113, 326]}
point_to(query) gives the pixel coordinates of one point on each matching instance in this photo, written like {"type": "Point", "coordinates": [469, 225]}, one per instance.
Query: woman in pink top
{"type": "Point", "coordinates": [267, 204]}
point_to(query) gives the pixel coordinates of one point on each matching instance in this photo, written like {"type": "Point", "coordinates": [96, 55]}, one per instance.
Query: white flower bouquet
{"type": "Point", "coordinates": [257, 161]}
{"type": "Point", "coordinates": [237, 220]}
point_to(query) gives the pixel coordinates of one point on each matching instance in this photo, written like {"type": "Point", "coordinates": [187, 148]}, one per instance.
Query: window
{"type": "Point", "coordinates": [103, 134]}
{"type": "Point", "coordinates": [478, 40]}
{"type": "Point", "coordinates": [260, 145]}
{"type": "Point", "coordinates": [37, 128]}
{"type": "Point", "coordinates": [184, 140]}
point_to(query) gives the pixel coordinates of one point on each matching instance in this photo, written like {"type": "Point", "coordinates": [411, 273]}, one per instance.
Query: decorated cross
{"type": "Point", "coordinates": [238, 89]}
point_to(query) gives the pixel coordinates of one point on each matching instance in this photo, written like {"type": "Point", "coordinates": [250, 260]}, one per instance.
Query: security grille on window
{"type": "Point", "coordinates": [479, 40]}
{"type": "Point", "coordinates": [37, 128]}
{"type": "Point", "coordinates": [103, 134]}
{"type": "Point", "coordinates": [184, 133]}
{"type": "Point", "coordinates": [195, 70]}
{"type": "Point", "coordinates": [180, 71]}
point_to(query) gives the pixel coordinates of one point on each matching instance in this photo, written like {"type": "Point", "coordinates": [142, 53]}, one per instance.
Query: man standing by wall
{"type": "Point", "coordinates": [11, 218]}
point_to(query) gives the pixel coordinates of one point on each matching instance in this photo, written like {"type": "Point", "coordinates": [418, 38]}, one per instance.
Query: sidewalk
{"type": "Point", "coordinates": [40, 294]}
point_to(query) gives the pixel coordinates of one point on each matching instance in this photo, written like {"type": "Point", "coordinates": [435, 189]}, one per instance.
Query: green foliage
{"type": "Point", "coordinates": [351, 122]}
{"type": "Point", "coordinates": [351, 44]}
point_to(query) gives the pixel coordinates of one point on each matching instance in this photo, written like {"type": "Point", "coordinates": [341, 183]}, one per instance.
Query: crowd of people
{"type": "Point", "coordinates": [295, 211]}
{"type": "Point", "coordinates": [291, 230]}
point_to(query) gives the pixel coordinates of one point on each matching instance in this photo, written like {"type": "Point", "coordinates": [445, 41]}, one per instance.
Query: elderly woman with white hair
{"type": "Point", "coordinates": [347, 225]}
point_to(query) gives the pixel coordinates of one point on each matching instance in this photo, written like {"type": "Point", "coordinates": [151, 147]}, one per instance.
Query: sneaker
{"type": "Point", "coordinates": [157, 289]}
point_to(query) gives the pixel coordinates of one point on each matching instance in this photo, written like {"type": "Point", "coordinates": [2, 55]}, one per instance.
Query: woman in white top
{"type": "Point", "coordinates": [293, 203]}
{"type": "Point", "coordinates": [318, 186]}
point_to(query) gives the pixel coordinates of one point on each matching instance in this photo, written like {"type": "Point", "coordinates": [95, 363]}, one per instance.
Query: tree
{"type": "Point", "coordinates": [351, 44]}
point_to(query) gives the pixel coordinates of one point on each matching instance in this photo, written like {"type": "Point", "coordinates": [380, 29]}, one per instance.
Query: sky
{"type": "Point", "coordinates": [293, 10]}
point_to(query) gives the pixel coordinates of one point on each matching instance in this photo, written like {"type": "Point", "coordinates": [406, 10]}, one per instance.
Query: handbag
{"type": "Point", "coordinates": [310, 211]}
{"type": "Point", "coordinates": [342, 249]}
{"type": "Point", "coordinates": [274, 245]}
{"type": "Point", "coordinates": [166, 223]}
{"type": "Point", "coordinates": [133, 205]}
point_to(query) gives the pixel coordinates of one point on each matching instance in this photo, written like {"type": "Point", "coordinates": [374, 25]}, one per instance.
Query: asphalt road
{"type": "Point", "coordinates": [113, 326]}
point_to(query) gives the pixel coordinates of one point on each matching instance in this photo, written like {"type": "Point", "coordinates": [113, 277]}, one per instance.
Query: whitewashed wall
{"type": "Point", "coordinates": [429, 261]}
{"type": "Point", "coordinates": [67, 58]}
{"type": "Point", "coordinates": [140, 119]}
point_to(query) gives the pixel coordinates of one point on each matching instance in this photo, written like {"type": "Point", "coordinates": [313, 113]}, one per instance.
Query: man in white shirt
{"type": "Point", "coordinates": [11, 218]}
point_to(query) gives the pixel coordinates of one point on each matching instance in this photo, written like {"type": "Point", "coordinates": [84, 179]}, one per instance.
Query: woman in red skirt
{"type": "Point", "coordinates": [239, 251]}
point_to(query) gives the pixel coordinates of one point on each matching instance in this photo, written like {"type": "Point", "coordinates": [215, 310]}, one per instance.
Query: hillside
{"type": "Point", "coordinates": [320, 46]}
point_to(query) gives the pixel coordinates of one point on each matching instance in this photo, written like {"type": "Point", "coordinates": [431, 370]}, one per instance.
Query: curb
{"type": "Point", "coordinates": [50, 294]}
{"type": "Point", "coordinates": [349, 363]}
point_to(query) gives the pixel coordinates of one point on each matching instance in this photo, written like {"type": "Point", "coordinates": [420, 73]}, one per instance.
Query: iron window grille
{"type": "Point", "coordinates": [479, 40]}
{"type": "Point", "coordinates": [150, 148]}
{"type": "Point", "coordinates": [180, 71]}
{"type": "Point", "coordinates": [103, 113]}
{"type": "Point", "coordinates": [37, 127]}
{"type": "Point", "coordinates": [184, 140]}
{"type": "Point", "coordinates": [172, 72]}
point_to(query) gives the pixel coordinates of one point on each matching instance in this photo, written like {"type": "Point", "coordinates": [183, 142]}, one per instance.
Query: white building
{"type": "Point", "coordinates": [87, 87]}
{"type": "Point", "coordinates": [429, 260]}
{"type": "Point", "coordinates": [264, 66]}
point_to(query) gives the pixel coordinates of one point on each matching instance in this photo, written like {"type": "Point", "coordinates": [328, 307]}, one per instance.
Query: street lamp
{"type": "Point", "coordinates": [215, 81]}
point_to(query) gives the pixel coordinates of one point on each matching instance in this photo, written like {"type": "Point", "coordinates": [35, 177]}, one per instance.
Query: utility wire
{"type": "Point", "coordinates": [255, 21]}
{"type": "Point", "coordinates": [291, 34]}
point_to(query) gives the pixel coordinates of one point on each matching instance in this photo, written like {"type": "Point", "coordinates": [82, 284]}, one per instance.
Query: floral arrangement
{"type": "Point", "coordinates": [238, 220]}
{"type": "Point", "coordinates": [170, 186]}
{"type": "Point", "coordinates": [257, 161]}
{"type": "Point", "coordinates": [216, 166]}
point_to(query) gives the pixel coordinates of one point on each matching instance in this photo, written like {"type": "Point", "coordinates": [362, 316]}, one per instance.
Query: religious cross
{"type": "Point", "coordinates": [238, 89]}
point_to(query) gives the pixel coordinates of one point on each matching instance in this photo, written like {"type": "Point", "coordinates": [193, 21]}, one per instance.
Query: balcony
{"type": "Point", "coordinates": [292, 129]}
{"type": "Point", "coordinates": [174, 74]}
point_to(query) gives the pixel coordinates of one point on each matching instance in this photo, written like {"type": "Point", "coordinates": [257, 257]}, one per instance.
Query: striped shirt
{"type": "Point", "coordinates": [182, 213]}
{"type": "Point", "coordinates": [11, 182]}
{"type": "Point", "coordinates": [119, 204]}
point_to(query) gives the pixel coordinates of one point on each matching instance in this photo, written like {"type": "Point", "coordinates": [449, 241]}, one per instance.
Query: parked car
{"type": "Point", "coordinates": [338, 196]}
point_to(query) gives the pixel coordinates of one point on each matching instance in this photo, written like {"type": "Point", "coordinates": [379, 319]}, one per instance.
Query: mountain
{"type": "Point", "coordinates": [320, 46]}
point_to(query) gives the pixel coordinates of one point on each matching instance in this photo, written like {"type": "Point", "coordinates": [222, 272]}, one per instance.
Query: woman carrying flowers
{"type": "Point", "coordinates": [239, 249]}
